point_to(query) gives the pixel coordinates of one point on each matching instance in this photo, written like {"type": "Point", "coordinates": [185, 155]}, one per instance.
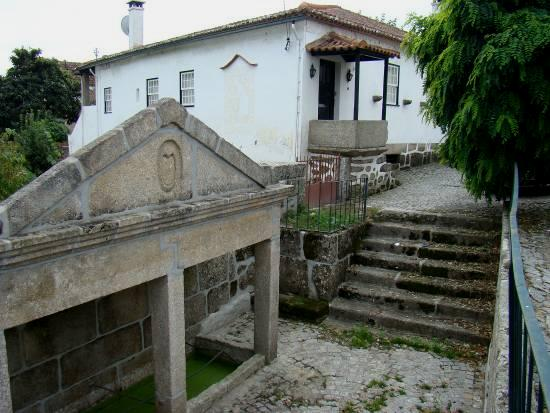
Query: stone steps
{"type": "Point", "coordinates": [427, 249]}
{"type": "Point", "coordinates": [454, 221]}
{"type": "Point", "coordinates": [421, 284]}
{"type": "Point", "coordinates": [433, 233]}
{"type": "Point", "coordinates": [382, 316]}
{"type": "Point", "coordinates": [418, 303]}
{"type": "Point", "coordinates": [424, 266]}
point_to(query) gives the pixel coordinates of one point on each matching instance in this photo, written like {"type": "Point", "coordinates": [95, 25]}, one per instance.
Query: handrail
{"type": "Point", "coordinates": [524, 330]}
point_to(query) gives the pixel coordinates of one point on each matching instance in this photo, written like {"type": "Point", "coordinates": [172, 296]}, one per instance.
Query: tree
{"type": "Point", "coordinates": [485, 66]}
{"type": "Point", "coordinates": [36, 84]}
{"type": "Point", "coordinates": [37, 138]}
{"type": "Point", "coordinates": [13, 171]}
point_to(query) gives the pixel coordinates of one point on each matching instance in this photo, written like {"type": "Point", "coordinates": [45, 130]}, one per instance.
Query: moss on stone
{"type": "Point", "coordinates": [301, 308]}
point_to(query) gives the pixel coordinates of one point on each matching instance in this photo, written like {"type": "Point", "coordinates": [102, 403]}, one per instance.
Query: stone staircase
{"type": "Point", "coordinates": [423, 273]}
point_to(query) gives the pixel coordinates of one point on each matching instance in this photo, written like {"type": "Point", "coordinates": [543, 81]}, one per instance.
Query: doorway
{"type": "Point", "coordinates": [327, 81]}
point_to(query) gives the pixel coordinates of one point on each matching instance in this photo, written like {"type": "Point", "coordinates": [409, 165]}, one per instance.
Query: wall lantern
{"type": "Point", "coordinates": [312, 71]}
{"type": "Point", "coordinates": [349, 75]}
{"type": "Point", "coordinates": [376, 98]}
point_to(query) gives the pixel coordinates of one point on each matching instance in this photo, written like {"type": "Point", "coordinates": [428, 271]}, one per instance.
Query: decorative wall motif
{"type": "Point", "coordinates": [169, 165]}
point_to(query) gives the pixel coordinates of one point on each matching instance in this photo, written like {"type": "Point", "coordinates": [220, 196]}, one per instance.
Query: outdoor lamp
{"type": "Point", "coordinates": [349, 75]}
{"type": "Point", "coordinates": [312, 71]}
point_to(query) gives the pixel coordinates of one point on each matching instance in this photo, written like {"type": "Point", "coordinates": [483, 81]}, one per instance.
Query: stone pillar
{"type": "Point", "coordinates": [266, 301]}
{"type": "Point", "coordinates": [168, 332]}
{"type": "Point", "coordinates": [5, 392]}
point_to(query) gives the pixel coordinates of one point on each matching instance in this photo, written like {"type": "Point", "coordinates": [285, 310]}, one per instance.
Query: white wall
{"type": "Point", "coordinates": [252, 107]}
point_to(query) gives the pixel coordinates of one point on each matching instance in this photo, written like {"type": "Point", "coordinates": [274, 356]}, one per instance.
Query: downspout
{"type": "Point", "coordinates": [97, 103]}
{"type": "Point", "coordinates": [297, 143]}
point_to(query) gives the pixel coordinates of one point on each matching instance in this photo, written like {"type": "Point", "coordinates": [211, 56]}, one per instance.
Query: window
{"type": "Point", "coordinates": [152, 91]}
{"type": "Point", "coordinates": [393, 85]}
{"type": "Point", "coordinates": [187, 88]}
{"type": "Point", "coordinates": [108, 99]}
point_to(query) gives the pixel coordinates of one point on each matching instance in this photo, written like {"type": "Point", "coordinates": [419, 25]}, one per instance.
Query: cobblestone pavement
{"type": "Point", "coordinates": [534, 231]}
{"type": "Point", "coordinates": [313, 373]}
{"type": "Point", "coordinates": [432, 187]}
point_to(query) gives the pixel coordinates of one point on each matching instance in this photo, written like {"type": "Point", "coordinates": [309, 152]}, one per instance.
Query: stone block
{"type": "Point", "coordinates": [213, 272]}
{"type": "Point", "coordinates": [243, 163]}
{"type": "Point", "coordinates": [156, 173]}
{"type": "Point", "coordinates": [349, 240]}
{"type": "Point", "coordinates": [421, 147]}
{"type": "Point", "coordinates": [327, 278]}
{"type": "Point", "coordinates": [34, 384]}
{"type": "Point", "coordinates": [68, 209]}
{"type": "Point", "coordinates": [217, 297]}
{"type": "Point", "coordinates": [123, 308]}
{"type": "Point", "coordinates": [246, 277]}
{"type": "Point", "coordinates": [381, 159]}
{"type": "Point", "coordinates": [136, 368]}
{"type": "Point", "coordinates": [195, 309]}
{"type": "Point", "coordinates": [59, 332]}
{"type": "Point", "coordinates": [286, 171]}
{"type": "Point", "coordinates": [416, 158]}
{"type": "Point", "coordinates": [215, 175]}
{"type": "Point", "coordinates": [171, 112]}
{"type": "Point", "coordinates": [101, 152]}
{"type": "Point", "coordinates": [387, 167]}
{"type": "Point", "coordinates": [291, 243]}
{"type": "Point", "coordinates": [13, 348]}
{"type": "Point", "coordinates": [357, 169]}
{"type": "Point", "coordinates": [83, 395]}
{"type": "Point", "coordinates": [293, 276]}
{"type": "Point", "coordinates": [201, 132]}
{"type": "Point", "coordinates": [90, 359]}
{"type": "Point", "coordinates": [244, 253]}
{"type": "Point", "coordinates": [50, 187]}
{"type": "Point", "coordinates": [402, 159]}
{"type": "Point", "coordinates": [140, 126]}
{"type": "Point", "coordinates": [147, 338]}
{"type": "Point", "coordinates": [190, 281]}
{"type": "Point", "coordinates": [321, 247]}
{"type": "Point", "coordinates": [233, 288]}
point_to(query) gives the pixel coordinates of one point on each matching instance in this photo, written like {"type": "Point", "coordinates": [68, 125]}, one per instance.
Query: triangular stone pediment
{"type": "Point", "coordinates": [161, 155]}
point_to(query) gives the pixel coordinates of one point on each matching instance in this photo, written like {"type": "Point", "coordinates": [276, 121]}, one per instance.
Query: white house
{"type": "Point", "coordinates": [260, 82]}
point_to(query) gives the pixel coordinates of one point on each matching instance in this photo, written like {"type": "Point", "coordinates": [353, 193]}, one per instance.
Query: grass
{"type": "Point", "coordinates": [198, 380]}
{"type": "Point", "coordinates": [324, 219]}
{"type": "Point", "coordinates": [363, 337]}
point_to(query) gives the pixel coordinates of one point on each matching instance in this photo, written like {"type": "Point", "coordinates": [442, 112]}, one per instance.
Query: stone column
{"type": "Point", "coordinates": [266, 301]}
{"type": "Point", "coordinates": [168, 331]}
{"type": "Point", "coordinates": [5, 392]}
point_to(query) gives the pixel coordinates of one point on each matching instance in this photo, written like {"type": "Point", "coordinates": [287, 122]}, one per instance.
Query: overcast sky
{"type": "Point", "coordinates": [72, 29]}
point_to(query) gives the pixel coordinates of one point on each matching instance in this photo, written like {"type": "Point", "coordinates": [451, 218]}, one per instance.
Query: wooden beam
{"type": "Point", "coordinates": [385, 88]}
{"type": "Point", "coordinates": [356, 92]}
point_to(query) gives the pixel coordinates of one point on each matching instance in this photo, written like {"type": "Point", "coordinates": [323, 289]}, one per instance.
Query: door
{"type": "Point", "coordinates": [327, 70]}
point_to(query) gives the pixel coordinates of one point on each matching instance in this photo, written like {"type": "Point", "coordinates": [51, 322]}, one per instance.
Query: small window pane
{"type": "Point", "coordinates": [107, 98]}
{"type": "Point", "coordinates": [187, 88]}
{"type": "Point", "coordinates": [393, 85]}
{"type": "Point", "coordinates": [152, 91]}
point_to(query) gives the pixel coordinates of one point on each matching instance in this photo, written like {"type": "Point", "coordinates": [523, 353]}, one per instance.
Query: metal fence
{"type": "Point", "coordinates": [325, 206]}
{"type": "Point", "coordinates": [529, 368]}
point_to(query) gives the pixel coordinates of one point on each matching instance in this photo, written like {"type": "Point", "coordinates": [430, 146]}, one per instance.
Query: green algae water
{"type": "Point", "coordinates": [140, 398]}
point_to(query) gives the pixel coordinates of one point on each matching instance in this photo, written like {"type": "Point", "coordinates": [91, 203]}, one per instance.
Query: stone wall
{"type": "Point", "coordinates": [382, 175]}
{"type": "Point", "coordinates": [107, 342]}
{"type": "Point", "coordinates": [409, 155]}
{"type": "Point", "coordinates": [314, 264]}
{"type": "Point", "coordinates": [496, 370]}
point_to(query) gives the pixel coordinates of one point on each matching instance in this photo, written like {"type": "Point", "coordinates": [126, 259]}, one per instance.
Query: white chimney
{"type": "Point", "coordinates": [135, 23]}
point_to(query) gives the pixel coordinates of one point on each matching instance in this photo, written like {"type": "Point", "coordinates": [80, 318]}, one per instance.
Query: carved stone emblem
{"type": "Point", "coordinates": [169, 165]}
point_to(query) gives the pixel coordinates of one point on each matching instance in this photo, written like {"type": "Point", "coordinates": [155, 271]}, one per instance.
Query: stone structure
{"type": "Point", "coordinates": [409, 155]}
{"type": "Point", "coordinates": [123, 220]}
{"type": "Point", "coordinates": [314, 264]}
{"type": "Point", "coordinates": [382, 175]}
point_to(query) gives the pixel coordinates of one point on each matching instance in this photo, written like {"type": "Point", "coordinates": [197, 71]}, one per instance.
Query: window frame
{"type": "Point", "coordinates": [110, 88]}
{"type": "Point", "coordinates": [147, 91]}
{"type": "Point", "coordinates": [398, 86]}
{"type": "Point", "coordinates": [181, 89]}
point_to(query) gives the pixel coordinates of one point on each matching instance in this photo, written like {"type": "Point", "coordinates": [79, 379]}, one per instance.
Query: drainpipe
{"type": "Point", "coordinates": [297, 144]}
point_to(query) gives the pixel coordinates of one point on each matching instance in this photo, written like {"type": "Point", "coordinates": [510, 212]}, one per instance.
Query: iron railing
{"type": "Point", "coordinates": [529, 368]}
{"type": "Point", "coordinates": [325, 206]}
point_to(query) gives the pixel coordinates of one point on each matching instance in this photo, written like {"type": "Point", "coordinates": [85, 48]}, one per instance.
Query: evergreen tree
{"type": "Point", "coordinates": [486, 68]}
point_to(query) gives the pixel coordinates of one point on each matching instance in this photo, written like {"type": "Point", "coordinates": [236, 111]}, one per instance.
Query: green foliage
{"type": "Point", "coordinates": [38, 139]}
{"type": "Point", "coordinates": [36, 84]}
{"type": "Point", "coordinates": [13, 171]}
{"type": "Point", "coordinates": [485, 66]}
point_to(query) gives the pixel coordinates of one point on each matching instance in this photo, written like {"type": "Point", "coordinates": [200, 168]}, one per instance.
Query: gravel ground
{"type": "Point", "coordinates": [433, 187]}
{"type": "Point", "coordinates": [534, 232]}
{"type": "Point", "coordinates": [313, 373]}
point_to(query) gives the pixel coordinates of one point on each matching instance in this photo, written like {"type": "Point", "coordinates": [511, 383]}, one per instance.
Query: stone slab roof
{"type": "Point", "coordinates": [338, 44]}
{"type": "Point", "coordinates": [162, 158]}
{"type": "Point", "coordinates": [329, 14]}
